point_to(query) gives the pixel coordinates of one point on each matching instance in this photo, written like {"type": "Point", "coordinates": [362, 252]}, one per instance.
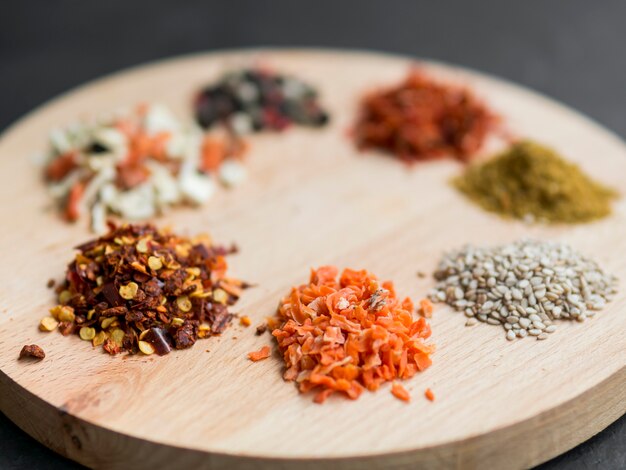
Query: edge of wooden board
{"type": "Point", "coordinates": [97, 447]}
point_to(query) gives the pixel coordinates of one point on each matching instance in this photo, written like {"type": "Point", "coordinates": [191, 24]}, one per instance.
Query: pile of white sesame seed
{"type": "Point", "coordinates": [524, 286]}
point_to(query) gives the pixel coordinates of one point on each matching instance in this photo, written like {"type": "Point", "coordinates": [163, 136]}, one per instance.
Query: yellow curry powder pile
{"type": "Point", "coordinates": [532, 182]}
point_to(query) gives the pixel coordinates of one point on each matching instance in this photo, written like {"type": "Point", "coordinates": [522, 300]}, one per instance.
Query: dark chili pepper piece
{"type": "Point", "coordinates": [32, 351]}
{"type": "Point", "coordinates": [158, 338]}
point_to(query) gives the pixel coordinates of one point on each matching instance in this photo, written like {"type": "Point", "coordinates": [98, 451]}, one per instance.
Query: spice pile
{"type": "Point", "coordinates": [532, 182]}
{"type": "Point", "coordinates": [422, 119]}
{"type": "Point", "coordinates": [253, 100]}
{"type": "Point", "coordinates": [137, 164]}
{"type": "Point", "coordinates": [524, 286]}
{"type": "Point", "coordinates": [347, 334]}
{"type": "Point", "coordinates": [141, 289]}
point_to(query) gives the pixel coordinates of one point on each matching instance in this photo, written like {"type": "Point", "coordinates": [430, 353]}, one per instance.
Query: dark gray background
{"type": "Point", "coordinates": [572, 50]}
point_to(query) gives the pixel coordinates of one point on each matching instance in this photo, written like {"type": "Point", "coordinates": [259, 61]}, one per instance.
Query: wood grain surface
{"type": "Point", "coordinates": [311, 199]}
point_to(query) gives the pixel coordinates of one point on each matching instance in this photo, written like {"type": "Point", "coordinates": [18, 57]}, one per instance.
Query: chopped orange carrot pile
{"type": "Point", "coordinates": [349, 334]}
{"type": "Point", "coordinates": [400, 392]}
{"type": "Point", "coordinates": [259, 355]}
{"type": "Point", "coordinates": [429, 394]}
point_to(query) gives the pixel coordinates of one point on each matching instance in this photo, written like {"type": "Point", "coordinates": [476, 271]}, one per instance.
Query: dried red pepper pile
{"type": "Point", "coordinates": [422, 119]}
{"type": "Point", "coordinates": [139, 289]}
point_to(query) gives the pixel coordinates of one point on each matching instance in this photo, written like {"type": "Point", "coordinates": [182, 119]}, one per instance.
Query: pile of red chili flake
{"type": "Point", "coordinates": [140, 289]}
{"type": "Point", "coordinates": [422, 119]}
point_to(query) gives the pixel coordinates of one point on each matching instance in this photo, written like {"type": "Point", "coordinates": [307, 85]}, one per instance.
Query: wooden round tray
{"type": "Point", "coordinates": [311, 199]}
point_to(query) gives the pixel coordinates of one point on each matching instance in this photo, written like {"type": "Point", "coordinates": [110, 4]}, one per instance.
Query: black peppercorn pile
{"type": "Point", "coordinates": [138, 289]}
{"type": "Point", "coordinates": [254, 100]}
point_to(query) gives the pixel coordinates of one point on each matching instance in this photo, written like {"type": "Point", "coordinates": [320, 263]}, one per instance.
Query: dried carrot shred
{"type": "Point", "coordinates": [213, 153]}
{"type": "Point", "coordinates": [259, 355]}
{"type": "Point", "coordinates": [61, 166]}
{"type": "Point", "coordinates": [400, 392]}
{"type": "Point", "coordinates": [426, 308]}
{"type": "Point", "coordinates": [215, 150]}
{"type": "Point", "coordinates": [245, 321]}
{"type": "Point", "coordinates": [72, 209]}
{"type": "Point", "coordinates": [349, 334]}
{"type": "Point", "coordinates": [429, 394]}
